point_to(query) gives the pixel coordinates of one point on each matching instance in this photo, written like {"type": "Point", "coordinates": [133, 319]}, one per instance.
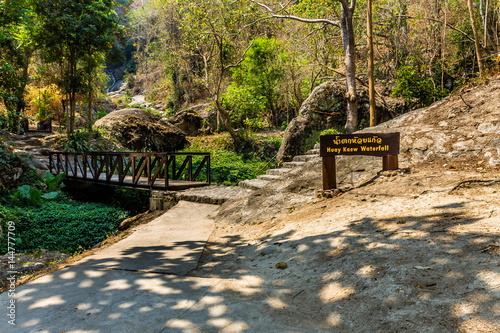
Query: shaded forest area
{"type": "Point", "coordinates": [255, 62]}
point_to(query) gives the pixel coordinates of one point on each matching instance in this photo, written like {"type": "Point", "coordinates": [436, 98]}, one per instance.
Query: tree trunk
{"type": "Point", "coordinates": [371, 79]}
{"type": "Point", "coordinates": [90, 110]}
{"type": "Point", "coordinates": [350, 66]}
{"type": "Point", "coordinates": [476, 39]}
{"type": "Point", "coordinates": [227, 122]}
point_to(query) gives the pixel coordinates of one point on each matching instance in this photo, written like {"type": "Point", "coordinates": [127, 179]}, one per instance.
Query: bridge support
{"type": "Point", "coordinates": [161, 200]}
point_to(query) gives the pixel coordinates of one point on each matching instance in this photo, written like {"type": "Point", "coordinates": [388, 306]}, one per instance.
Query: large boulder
{"type": "Point", "coordinates": [138, 130]}
{"type": "Point", "coordinates": [326, 107]}
{"type": "Point", "coordinates": [188, 121]}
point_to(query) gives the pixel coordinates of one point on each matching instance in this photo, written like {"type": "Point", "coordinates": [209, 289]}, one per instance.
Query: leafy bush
{"type": "Point", "coordinates": [101, 114]}
{"type": "Point", "coordinates": [228, 167]}
{"type": "Point", "coordinates": [245, 107]}
{"type": "Point", "coordinates": [4, 122]}
{"type": "Point", "coordinates": [77, 142]}
{"type": "Point", "coordinates": [415, 87]}
{"type": "Point", "coordinates": [67, 227]}
{"type": "Point", "coordinates": [33, 196]}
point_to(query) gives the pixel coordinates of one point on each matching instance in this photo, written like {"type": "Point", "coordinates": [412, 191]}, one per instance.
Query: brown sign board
{"type": "Point", "coordinates": [371, 144]}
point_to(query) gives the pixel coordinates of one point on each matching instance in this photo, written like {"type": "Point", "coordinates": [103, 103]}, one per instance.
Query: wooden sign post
{"type": "Point", "coordinates": [385, 145]}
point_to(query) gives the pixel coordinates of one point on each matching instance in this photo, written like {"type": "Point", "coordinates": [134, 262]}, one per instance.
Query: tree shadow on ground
{"type": "Point", "coordinates": [413, 273]}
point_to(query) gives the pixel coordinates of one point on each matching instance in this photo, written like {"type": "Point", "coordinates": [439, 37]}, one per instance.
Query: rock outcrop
{"type": "Point", "coordinates": [187, 121]}
{"type": "Point", "coordinates": [137, 129]}
{"type": "Point", "coordinates": [326, 107]}
{"type": "Point", "coordinates": [11, 169]}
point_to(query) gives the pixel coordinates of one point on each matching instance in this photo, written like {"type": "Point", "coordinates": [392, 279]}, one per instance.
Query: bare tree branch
{"type": "Point", "coordinates": [296, 18]}
{"type": "Point", "coordinates": [439, 21]}
{"type": "Point", "coordinates": [242, 56]}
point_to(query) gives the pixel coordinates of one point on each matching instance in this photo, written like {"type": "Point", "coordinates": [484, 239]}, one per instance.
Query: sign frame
{"type": "Point", "coordinates": [385, 145]}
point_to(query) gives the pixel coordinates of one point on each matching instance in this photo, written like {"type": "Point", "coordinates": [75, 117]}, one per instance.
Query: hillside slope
{"type": "Point", "coordinates": [416, 250]}
{"type": "Point", "coordinates": [460, 133]}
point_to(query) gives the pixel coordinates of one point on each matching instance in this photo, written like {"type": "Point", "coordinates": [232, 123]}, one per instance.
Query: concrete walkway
{"type": "Point", "coordinates": [119, 289]}
{"type": "Point", "coordinates": [171, 244]}
{"type": "Point", "coordinates": [138, 285]}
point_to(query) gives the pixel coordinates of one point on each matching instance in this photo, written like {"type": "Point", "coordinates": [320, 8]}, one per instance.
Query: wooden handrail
{"type": "Point", "coordinates": [145, 170]}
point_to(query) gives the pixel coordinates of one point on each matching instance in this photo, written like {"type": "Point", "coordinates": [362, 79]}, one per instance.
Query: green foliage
{"type": "Point", "coordinates": [415, 87]}
{"type": "Point", "coordinates": [228, 167]}
{"type": "Point", "coordinates": [53, 183]}
{"type": "Point", "coordinates": [66, 227]}
{"type": "Point", "coordinates": [77, 142]}
{"type": "Point", "coordinates": [245, 107]}
{"type": "Point", "coordinates": [74, 34]}
{"type": "Point", "coordinates": [313, 139]}
{"type": "Point", "coordinates": [42, 103]}
{"type": "Point", "coordinates": [256, 82]}
{"type": "Point", "coordinates": [101, 114]}
{"type": "Point", "coordinates": [28, 194]}
{"type": "Point", "coordinates": [16, 48]}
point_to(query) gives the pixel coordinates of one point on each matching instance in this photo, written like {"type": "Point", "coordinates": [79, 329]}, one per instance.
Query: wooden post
{"type": "Point", "coordinates": [329, 173]}
{"type": "Point", "coordinates": [390, 162]}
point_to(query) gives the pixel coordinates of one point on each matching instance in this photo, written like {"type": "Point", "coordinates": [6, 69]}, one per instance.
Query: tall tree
{"type": "Point", "coordinates": [215, 32]}
{"type": "Point", "coordinates": [70, 30]}
{"type": "Point", "coordinates": [16, 48]}
{"type": "Point", "coordinates": [348, 41]}
{"type": "Point", "coordinates": [476, 38]}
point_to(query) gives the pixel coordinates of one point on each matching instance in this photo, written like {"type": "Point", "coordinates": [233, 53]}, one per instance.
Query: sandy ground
{"type": "Point", "coordinates": [403, 253]}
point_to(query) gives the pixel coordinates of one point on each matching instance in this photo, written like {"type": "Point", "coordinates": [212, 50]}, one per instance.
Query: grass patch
{"type": "Point", "coordinates": [68, 227]}
{"type": "Point", "coordinates": [228, 166]}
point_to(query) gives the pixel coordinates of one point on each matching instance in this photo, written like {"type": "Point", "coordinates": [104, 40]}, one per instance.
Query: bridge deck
{"type": "Point", "coordinates": [173, 185]}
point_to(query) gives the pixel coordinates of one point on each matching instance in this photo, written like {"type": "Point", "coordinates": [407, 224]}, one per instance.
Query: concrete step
{"type": "Point", "coordinates": [269, 177]}
{"type": "Point", "coordinates": [304, 158]}
{"type": "Point", "coordinates": [278, 172]}
{"type": "Point", "coordinates": [215, 195]}
{"type": "Point", "coordinates": [253, 184]}
{"type": "Point", "coordinates": [313, 152]}
{"type": "Point", "coordinates": [292, 164]}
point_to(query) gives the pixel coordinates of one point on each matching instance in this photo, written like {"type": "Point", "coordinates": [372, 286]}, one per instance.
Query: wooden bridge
{"type": "Point", "coordinates": [163, 171]}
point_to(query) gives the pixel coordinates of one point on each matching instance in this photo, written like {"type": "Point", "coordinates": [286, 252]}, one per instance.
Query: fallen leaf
{"type": "Point", "coordinates": [422, 267]}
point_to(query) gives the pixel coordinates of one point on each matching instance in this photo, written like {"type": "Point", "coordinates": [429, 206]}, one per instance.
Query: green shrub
{"type": "Point", "coordinates": [67, 227]}
{"type": "Point", "coordinates": [415, 86]}
{"type": "Point", "coordinates": [77, 142]}
{"type": "Point", "coordinates": [228, 167]}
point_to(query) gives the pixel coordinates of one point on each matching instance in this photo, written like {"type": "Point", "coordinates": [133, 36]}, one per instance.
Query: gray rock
{"type": "Point", "coordinates": [138, 130]}
{"type": "Point", "coordinates": [187, 121]}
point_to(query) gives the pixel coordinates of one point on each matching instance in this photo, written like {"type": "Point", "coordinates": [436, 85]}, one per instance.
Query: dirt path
{"type": "Point", "coordinates": [401, 254]}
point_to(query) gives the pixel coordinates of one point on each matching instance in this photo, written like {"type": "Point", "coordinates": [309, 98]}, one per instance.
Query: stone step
{"type": "Point", "coordinates": [313, 151]}
{"type": "Point", "coordinates": [253, 184]}
{"type": "Point", "coordinates": [269, 177]}
{"type": "Point", "coordinates": [304, 158]}
{"type": "Point", "coordinates": [292, 164]}
{"type": "Point", "coordinates": [278, 172]}
{"type": "Point", "coordinates": [316, 146]}
{"type": "Point", "coordinates": [215, 195]}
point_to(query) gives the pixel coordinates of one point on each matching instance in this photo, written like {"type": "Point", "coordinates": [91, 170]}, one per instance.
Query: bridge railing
{"type": "Point", "coordinates": [148, 170]}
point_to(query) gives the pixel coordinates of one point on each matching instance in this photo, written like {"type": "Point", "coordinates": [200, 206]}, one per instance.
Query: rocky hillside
{"type": "Point", "coordinates": [412, 250]}
{"type": "Point", "coordinates": [459, 133]}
